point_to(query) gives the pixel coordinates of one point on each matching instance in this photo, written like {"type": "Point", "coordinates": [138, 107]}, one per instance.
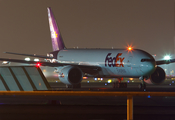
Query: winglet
{"type": "Point", "coordinates": [57, 41]}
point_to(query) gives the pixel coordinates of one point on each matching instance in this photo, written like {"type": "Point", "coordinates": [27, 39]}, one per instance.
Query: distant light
{"type": "Point", "coordinates": [87, 81]}
{"type": "Point", "coordinates": [167, 57]}
{"type": "Point", "coordinates": [106, 84]}
{"type": "Point", "coordinates": [169, 84]}
{"type": "Point", "coordinates": [56, 81]}
{"type": "Point", "coordinates": [128, 81]}
{"type": "Point", "coordinates": [172, 81]}
{"type": "Point", "coordinates": [154, 55]}
{"type": "Point", "coordinates": [109, 81]}
{"type": "Point", "coordinates": [84, 77]}
{"type": "Point", "coordinates": [36, 59]}
{"type": "Point", "coordinates": [101, 78]}
{"type": "Point", "coordinates": [5, 62]}
{"type": "Point", "coordinates": [27, 59]}
{"type": "Point", "coordinates": [149, 96]}
{"type": "Point", "coordinates": [95, 78]}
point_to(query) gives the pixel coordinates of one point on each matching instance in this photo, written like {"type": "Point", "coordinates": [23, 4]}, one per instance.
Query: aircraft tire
{"type": "Point", "coordinates": [142, 86]}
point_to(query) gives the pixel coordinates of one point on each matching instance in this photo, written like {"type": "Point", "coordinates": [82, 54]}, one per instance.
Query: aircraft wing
{"type": "Point", "coordinates": [161, 62]}
{"type": "Point", "coordinates": [92, 67]}
{"type": "Point", "coordinates": [32, 55]}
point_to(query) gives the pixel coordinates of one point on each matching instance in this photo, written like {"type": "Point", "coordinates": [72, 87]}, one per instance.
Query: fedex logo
{"type": "Point", "coordinates": [114, 61]}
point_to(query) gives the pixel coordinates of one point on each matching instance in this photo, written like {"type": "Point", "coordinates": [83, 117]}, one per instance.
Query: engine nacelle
{"type": "Point", "coordinates": [157, 77]}
{"type": "Point", "coordinates": [70, 75]}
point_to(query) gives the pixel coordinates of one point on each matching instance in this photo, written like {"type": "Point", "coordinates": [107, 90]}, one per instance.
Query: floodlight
{"type": "Point", "coordinates": [167, 57]}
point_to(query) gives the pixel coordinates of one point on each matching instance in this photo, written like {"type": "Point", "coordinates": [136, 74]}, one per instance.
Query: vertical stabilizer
{"type": "Point", "coordinates": [57, 41]}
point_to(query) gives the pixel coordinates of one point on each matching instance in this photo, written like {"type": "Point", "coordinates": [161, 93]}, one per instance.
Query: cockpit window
{"type": "Point", "coordinates": [146, 60]}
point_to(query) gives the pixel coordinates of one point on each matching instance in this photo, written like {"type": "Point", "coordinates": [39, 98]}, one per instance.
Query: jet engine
{"type": "Point", "coordinates": [157, 77]}
{"type": "Point", "coordinates": [70, 75]}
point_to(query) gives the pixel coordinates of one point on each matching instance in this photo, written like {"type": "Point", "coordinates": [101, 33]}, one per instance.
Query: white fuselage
{"type": "Point", "coordinates": [114, 62]}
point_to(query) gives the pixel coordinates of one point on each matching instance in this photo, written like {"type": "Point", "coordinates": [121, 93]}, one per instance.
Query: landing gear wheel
{"type": "Point", "coordinates": [142, 86]}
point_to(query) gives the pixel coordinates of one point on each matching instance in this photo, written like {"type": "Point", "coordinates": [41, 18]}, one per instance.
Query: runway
{"type": "Point", "coordinates": [167, 86]}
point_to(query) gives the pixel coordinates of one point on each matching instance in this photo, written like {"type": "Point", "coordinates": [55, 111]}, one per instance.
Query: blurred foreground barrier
{"type": "Point", "coordinates": [22, 78]}
{"type": "Point", "coordinates": [93, 93]}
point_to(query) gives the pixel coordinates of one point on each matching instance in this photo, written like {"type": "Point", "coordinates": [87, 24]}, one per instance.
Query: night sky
{"type": "Point", "coordinates": [146, 24]}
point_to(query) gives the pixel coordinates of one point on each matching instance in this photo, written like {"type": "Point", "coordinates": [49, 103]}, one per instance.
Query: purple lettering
{"type": "Point", "coordinates": [113, 61]}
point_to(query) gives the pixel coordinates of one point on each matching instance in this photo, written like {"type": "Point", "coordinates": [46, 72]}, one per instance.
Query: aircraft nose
{"type": "Point", "coordinates": [148, 66]}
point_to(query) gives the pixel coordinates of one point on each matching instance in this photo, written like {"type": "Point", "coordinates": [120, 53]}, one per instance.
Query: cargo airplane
{"type": "Point", "coordinates": [73, 64]}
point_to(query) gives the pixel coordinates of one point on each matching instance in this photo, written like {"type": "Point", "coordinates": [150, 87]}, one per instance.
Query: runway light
{"type": "Point", "coordinates": [109, 81]}
{"type": "Point", "coordinates": [84, 77]}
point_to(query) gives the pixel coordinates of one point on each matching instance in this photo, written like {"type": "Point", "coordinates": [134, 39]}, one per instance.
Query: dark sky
{"type": "Point", "coordinates": [146, 24]}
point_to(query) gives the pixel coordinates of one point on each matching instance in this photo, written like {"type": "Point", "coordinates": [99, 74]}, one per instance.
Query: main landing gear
{"type": "Point", "coordinates": [142, 85]}
{"type": "Point", "coordinates": [119, 84]}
